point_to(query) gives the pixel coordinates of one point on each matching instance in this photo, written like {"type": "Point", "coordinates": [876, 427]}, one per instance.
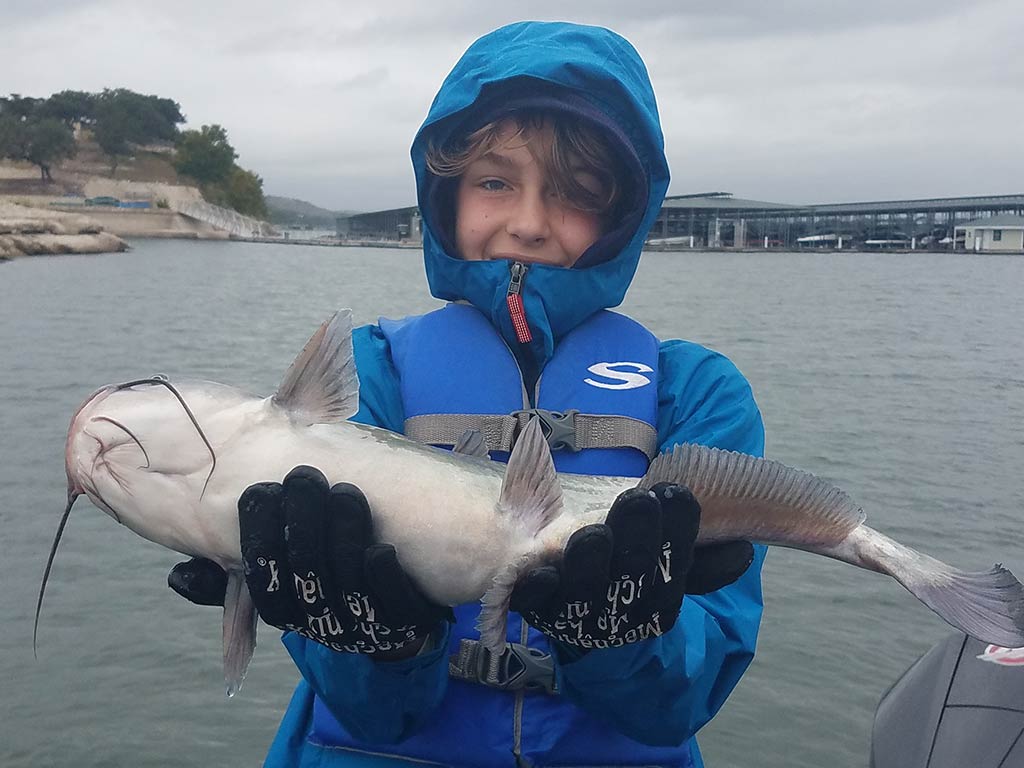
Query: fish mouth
{"type": "Point", "coordinates": [76, 483]}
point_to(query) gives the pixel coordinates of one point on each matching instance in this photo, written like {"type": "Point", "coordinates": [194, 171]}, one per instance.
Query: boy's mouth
{"type": "Point", "coordinates": [531, 260]}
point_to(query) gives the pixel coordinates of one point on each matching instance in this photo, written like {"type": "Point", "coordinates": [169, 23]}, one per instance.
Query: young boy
{"type": "Point", "coordinates": [540, 169]}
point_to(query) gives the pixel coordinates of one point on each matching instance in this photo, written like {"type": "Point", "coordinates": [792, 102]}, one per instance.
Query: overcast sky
{"type": "Point", "coordinates": [796, 101]}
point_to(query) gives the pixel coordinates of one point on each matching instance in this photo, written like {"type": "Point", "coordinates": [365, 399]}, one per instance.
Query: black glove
{"type": "Point", "coordinates": [624, 581]}
{"type": "Point", "coordinates": [199, 580]}
{"type": "Point", "coordinates": [311, 567]}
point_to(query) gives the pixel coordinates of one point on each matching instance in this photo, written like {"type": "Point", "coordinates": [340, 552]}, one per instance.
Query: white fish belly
{"type": "Point", "coordinates": [437, 510]}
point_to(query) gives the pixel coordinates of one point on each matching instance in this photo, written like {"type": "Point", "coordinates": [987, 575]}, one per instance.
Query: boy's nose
{"type": "Point", "coordinates": [528, 220]}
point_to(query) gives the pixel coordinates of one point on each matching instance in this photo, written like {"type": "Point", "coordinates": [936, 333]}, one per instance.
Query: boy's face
{"type": "Point", "coordinates": [506, 207]}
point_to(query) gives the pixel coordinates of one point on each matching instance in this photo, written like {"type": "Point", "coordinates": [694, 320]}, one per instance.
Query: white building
{"type": "Point", "coordinates": [1004, 232]}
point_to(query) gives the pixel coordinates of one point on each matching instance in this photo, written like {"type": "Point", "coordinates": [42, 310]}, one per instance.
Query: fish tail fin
{"type": "Point", "coordinates": [493, 619]}
{"type": "Point", "coordinates": [988, 605]}
{"type": "Point", "coordinates": [239, 631]}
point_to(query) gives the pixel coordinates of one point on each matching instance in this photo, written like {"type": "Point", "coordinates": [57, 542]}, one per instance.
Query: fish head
{"type": "Point", "coordinates": [144, 452]}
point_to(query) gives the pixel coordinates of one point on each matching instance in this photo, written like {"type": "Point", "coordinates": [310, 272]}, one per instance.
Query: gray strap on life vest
{"type": "Point", "coordinates": [564, 430]}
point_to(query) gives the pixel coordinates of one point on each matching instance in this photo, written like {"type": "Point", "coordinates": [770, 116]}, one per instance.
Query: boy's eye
{"type": "Point", "coordinates": [493, 185]}
{"type": "Point", "coordinates": [589, 182]}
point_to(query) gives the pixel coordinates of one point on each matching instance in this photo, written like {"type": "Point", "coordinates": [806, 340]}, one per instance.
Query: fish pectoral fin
{"type": "Point", "coordinates": [239, 631]}
{"type": "Point", "coordinates": [322, 386]}
{"type": "Point", "coordinates": [531, 493]}
{"type": "Point", "coordinates": [472, 443]}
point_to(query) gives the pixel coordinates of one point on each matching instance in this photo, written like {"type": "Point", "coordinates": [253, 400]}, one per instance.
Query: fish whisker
{"type": "Point", "coordinates": [72, 495]}
{"type": "Point", "coordinates": [162, 381]}
{"type": "Point", "coordinates": [128, 432]}
{"type": "Point", "coordinates": [96, 496]}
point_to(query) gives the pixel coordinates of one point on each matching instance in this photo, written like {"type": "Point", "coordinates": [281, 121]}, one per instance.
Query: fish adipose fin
{"type": "Point", "coordinates": [239, 631]}
{"type": "Point", "coordinates": [322, 386]}
{"type": "Point", "coordinates": [531, 496]}
{"type": "Point", "coordinates": [748, 497]}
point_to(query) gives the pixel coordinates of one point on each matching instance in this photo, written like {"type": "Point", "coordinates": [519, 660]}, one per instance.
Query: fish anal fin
{"type": "Point", "coordinates": [239, 631]}
{"type": "Point", "coordinates": [322, 386]}
{"type": "Point", "coordinates": [531, 493]}
{"type": "Point", "coordinates": [492, 621]}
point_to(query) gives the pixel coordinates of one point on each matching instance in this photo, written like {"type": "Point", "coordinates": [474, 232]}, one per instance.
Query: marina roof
{"type": "Point", "coordinates": [405, 210]}
{"type": "Point", "coordinates": [721, 201]}
{"type": "Point", "coordinates": [982, 203]}
{"type": "Point", "coordinates": [1003, 221]}
{"type": "Point", "coordinates": [724, 201]}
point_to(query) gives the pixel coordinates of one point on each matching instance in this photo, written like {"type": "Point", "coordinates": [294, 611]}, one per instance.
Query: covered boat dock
{"type": "Point", "coordinates": [719, 220]}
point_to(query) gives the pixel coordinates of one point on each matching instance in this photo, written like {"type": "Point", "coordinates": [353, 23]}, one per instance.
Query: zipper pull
{"type": "Point", "coordinates": [515, 303]}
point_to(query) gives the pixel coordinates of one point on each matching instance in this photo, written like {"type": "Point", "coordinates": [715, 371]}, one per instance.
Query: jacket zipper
{"type": "Point", "coordinates": [514, 299]}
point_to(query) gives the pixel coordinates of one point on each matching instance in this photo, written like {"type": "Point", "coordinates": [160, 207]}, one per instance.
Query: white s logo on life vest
{"type": "Point", "coordinates": [624, 379]}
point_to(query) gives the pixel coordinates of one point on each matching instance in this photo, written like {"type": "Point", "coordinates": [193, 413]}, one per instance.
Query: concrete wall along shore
{"type": "Point", "coordinates": [152, 222]}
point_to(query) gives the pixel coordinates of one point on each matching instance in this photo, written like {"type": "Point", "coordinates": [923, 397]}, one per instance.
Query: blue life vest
{"type": "Point", "coordinates": [453, 361]}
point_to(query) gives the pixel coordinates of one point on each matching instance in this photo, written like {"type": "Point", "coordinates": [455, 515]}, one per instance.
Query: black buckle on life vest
{"type": "Point", "coordinates": [559, 427]}
{"type": "Point", "coordinates": [516, 668]}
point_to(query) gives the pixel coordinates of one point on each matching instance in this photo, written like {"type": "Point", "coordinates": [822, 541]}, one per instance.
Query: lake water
{"type": "Point", "coordinates": [900, 377]}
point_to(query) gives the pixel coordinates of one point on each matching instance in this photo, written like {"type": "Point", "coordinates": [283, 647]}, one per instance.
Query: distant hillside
{"type": "Point", "coordinates": [288, 210]}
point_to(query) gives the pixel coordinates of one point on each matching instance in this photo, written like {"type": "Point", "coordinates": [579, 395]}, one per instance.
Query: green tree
{"type": "Point", "coordinates": [124, 118]}
{"type": "Point", "coordinates": [51, 141]}
{"type": "Point", "coordinates": [13, 137]}
{"type": "Point", "coordinates": [70, 107]}
{"type": "Point", "coordinates": [149, 118]}
{"type": "Point", "coordinates": [113, 127]}
{"type": "Point", "coordinates": [205, 155]}
{"type": "Point", "coordinates": [41, 141]}
{"type": "Point", "coordinates": [170, 111]}
{"type": "Point", "coordinates": [16, 105]}
{"type": "Point", "coordinates": [244, 192]}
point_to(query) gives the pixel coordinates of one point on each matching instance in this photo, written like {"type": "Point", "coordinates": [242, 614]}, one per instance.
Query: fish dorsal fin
{"type": "Point", "coordinates": [472, 443]}
{"type": "Point", "coordinates": [531, 496]}
{"type": "Point", "coordinates": [321, 386]}
{"type": "Point", "coordinates": [531, 493]}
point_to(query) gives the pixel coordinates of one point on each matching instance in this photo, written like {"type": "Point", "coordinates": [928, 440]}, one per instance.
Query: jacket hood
{"type": "Point", "coordinates": [600, 77]}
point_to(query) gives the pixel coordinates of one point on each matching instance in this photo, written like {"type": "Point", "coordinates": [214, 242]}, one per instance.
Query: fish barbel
{"type": "Point", "coordinates": [171, 460]}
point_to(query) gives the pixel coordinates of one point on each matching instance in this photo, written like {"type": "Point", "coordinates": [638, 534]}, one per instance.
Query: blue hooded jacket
{"type": "Point", "coordinates": [596, 70]}
{"type": "Point", "coordinates": [658, 691]}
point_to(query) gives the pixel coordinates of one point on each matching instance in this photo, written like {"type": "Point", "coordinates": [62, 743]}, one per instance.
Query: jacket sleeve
{"type": "Point", "coordinates": [662, 690]}
{"type": "Point", "coordinates": [377, 702]}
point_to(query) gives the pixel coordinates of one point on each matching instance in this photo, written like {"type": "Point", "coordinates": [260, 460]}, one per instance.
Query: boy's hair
{"type": "Point", "coordinates": [574, 147]}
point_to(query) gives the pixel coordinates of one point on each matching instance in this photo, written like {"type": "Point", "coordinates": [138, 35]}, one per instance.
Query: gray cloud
{"type": "Point", "coordinates": [796, 101]}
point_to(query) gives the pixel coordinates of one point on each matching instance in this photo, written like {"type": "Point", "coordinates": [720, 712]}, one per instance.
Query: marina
{"type": "Point", "coordinates": [718, 220]}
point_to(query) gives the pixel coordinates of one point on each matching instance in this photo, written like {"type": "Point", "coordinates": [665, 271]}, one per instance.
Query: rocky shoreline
{"type": "Point", "coordinates": [27, 231]}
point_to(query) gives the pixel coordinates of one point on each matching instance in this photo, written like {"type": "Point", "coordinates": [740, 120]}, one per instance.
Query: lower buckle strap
{"type": "Point", "coordinates": [517, 668]}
